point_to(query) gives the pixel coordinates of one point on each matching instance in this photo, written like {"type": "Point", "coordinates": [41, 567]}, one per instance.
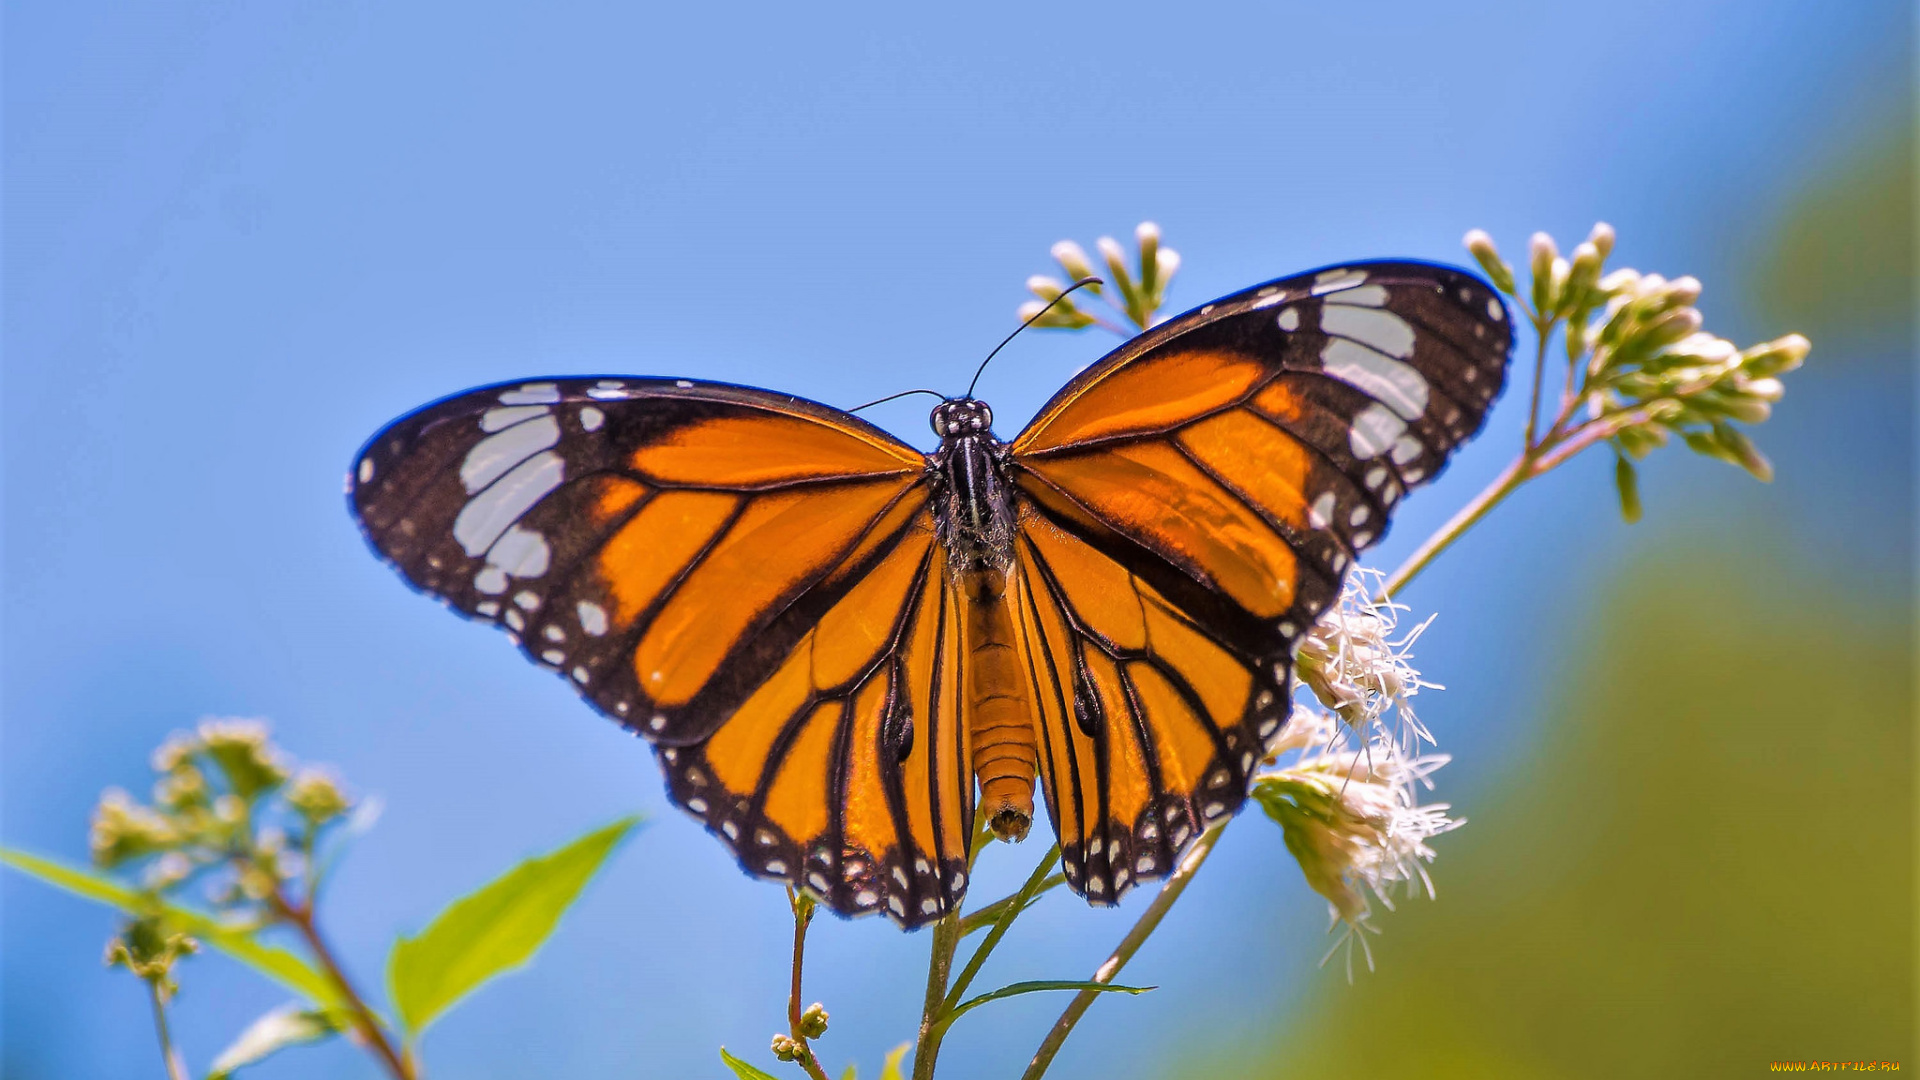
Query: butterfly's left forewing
{"type": "Point", "coordinates": [749, 580]}
{"type": "Point", "coordinates": [1191, 504]}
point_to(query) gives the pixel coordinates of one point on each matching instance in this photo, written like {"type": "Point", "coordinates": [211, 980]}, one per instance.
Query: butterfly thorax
{"type": "Point", "coordinates": [973, 507]}
{"type": "Point", "coordinates": [974, 518]}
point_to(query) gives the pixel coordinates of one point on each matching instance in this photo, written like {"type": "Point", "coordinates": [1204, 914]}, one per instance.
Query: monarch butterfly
{"type": "Point", "coordinates": [841, 648]}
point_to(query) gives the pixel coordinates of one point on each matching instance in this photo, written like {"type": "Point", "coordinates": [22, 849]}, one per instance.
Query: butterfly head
{"type": "Point", "coordinates": [961, 416]}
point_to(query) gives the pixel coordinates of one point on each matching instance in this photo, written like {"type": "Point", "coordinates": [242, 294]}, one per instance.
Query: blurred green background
{"type": "Point", "coordinates": [1708, 863]}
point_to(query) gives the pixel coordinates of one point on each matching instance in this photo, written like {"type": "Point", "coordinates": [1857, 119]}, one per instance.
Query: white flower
{"type": "Point", "coordinates": [1353, 819]}
{"type": "Point", "coordinates": [1344, 784]}
{"type": "Point", "coordinates": [1355, 666]}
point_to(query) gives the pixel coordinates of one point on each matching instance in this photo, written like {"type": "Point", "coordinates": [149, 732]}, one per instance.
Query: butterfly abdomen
{"type": "Point", "coordinates": [1001, 709]}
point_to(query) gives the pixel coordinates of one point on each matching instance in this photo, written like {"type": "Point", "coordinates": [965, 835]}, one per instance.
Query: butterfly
{"type": "Point", "coordinates": [843, 649]}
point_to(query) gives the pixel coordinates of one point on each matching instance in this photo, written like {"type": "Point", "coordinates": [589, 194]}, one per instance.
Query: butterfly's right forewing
{"type": "Point", "coordinates": [749, 580]}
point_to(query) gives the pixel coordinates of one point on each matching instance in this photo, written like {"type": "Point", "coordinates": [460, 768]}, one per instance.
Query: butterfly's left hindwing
{"type": "Point", "coordinates": [749, 580]}
{"type": "Point", "coordinates": [1191, 504]}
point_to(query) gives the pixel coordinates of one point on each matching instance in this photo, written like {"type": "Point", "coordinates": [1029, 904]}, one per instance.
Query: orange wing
{"type": "Point", "coordinates": [749, 580]}
{"type": "Point", "coordinates": [1191, 505]}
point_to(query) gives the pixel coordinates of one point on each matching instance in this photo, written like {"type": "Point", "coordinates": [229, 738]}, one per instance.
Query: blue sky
{"type": "Point", "coordinates": [239, 238]}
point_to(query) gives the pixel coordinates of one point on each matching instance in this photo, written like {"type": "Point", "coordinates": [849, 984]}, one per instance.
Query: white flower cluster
{"type": "Point", "coordinates": [1344, 782]}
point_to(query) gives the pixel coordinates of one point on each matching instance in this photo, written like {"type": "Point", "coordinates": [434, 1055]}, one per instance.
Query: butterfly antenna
{"type": "Point", "coordinates": [1082, 283]}
{"type": "Point", "coordinates": [901, 394]}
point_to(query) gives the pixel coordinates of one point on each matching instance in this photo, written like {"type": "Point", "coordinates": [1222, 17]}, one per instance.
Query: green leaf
{"type": "Point", "coordinates": [493, 929]}
{"type": "Point", "coordinates": [1014, 989]}
{"type": "Point", "coordinates": [283, 967]}
{"type": "Point", "coordinates": [852, 1073]}
{"type": "Point", "coordinates": [743, 1070]}
{"type": "Point", "coordinates": [891, 1070]}
{"type": "Point", "coordinates": [1625, 479]}
{"type": "Point", "coordinates": [288, 1025]}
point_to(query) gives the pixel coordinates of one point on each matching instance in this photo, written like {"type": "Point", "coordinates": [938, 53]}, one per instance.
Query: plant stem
{"type": "Point", "coordinates": [1143, 927]}
{"type": "Point", "coordinates": [946, 938]}
{"type": "Point", "coordinates": [1541, 333]}
{"type": "Point", "coordinates": [176, 1068]}
{"type": "Point", "coordinates": [401, 1066]}
{"type": "Point", "coordinates": [980, 918]}
{"type": "Point", "coordinates": [1000, 926]}
{"type": "Point", "coordinates": [1511, 477]}
{"type": "Point", "coordinates": [802, 915]}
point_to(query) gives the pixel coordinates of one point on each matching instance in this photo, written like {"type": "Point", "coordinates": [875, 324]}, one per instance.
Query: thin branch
{"type": "Point", "coordinates": [1000, 926]}
{"type": "Point", "coordinates": [1511, 477]}
{"type": "Point", "coordinates": [176, 1066]}
{"type": "Point", "coordinates": [1149, 920]}
{"type": "Point", "coordinates": [980, 918]}
{"type": "Point", "coordinates": [946, 938]}
{"type": "Point", "coordinates": [399, 1065]}
{"type": "Point", "coordinates": [1542, 333]}
{"type": "Point", "coordinates": [802, 915]}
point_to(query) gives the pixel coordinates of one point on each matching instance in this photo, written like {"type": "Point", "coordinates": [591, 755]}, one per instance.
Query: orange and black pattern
{"type": "Point", "coordinates": [762, 586]}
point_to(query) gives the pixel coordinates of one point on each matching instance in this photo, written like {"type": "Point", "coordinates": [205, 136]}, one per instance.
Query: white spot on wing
{"type": "Point", "coordinates": [1405, 449]}
{"type": "Point", "coordinates": [1383, 330]}
{"type": "Point", "coordinates": [366, 469]}
{"type": "Point", "coordinates": [491, 580]}
{"type": "Point", "coordinates": [591, 418]}
{"type": "Point", "coordinates": [593, 618]}
{"type": "Point", "coordinates": [508, 415]}
{"type": "Point", "coordinates": [533, 393]}
{"type": "Point", "coordinates": [1373, 431]}
{"type": "Point", "coordinates": [1495, 310]}
{"type": "Point", "coordinates": [1380, 376]}
{"type": "Point", "coordinates": [1290, 319]}
{"type": "Point", "coordinates": [1320, 514]}
{"type": "Point", "coordinates": [521, 552]}
{"type": "Point", "coordinates": [1367, 295]}
{"type": "Point", "coordinates": [1334, 280]}
{"type": "Point", "coordinates": [489, 513]}
{"type": "Point", "coordinates": [494, 455]}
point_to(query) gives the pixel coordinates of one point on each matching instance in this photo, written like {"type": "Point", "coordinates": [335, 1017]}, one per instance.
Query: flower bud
{"type": "Point", "coordinates": [1625, 279]}
{"type": "Point", "coordinates": [1685, 290]}
{"type": "Point", "coordinates": [1484, 253]}
{"type": "Point", "coordinates": [1776, 357]}
{"type": "Point", "coordinates": [1044, 287]}
{"type": "Point", "coordinates": [240, 748]}
{"type": "Point", "coordinates": [1586, 269]}
{"type": "Point", "coordinates": [1747, 410]}
{"type": "Point", "coordinates": [1602, 239]}
{"type": "Point", "coordinates": [1148, 236]}
{"type": "Point", "coordinates": [1541, 254]}
{"type": "Point", "coordinates": [1114, 256]}
{"type": "Point", "coordinates": [1169, 264]}
{"type": "Point", "coordinates": [1764, 389]}
{"type": "Point", "coordinates": [785, 1048]}
{"type": "Point", "coordinates": [1670, 328]}
{"type": "Point", "coordinates": [1073, 259]}
{"type": "Point", "coordinates": [1744, 453]}
{"type": "Point", "coordinates": [813, 1022]}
